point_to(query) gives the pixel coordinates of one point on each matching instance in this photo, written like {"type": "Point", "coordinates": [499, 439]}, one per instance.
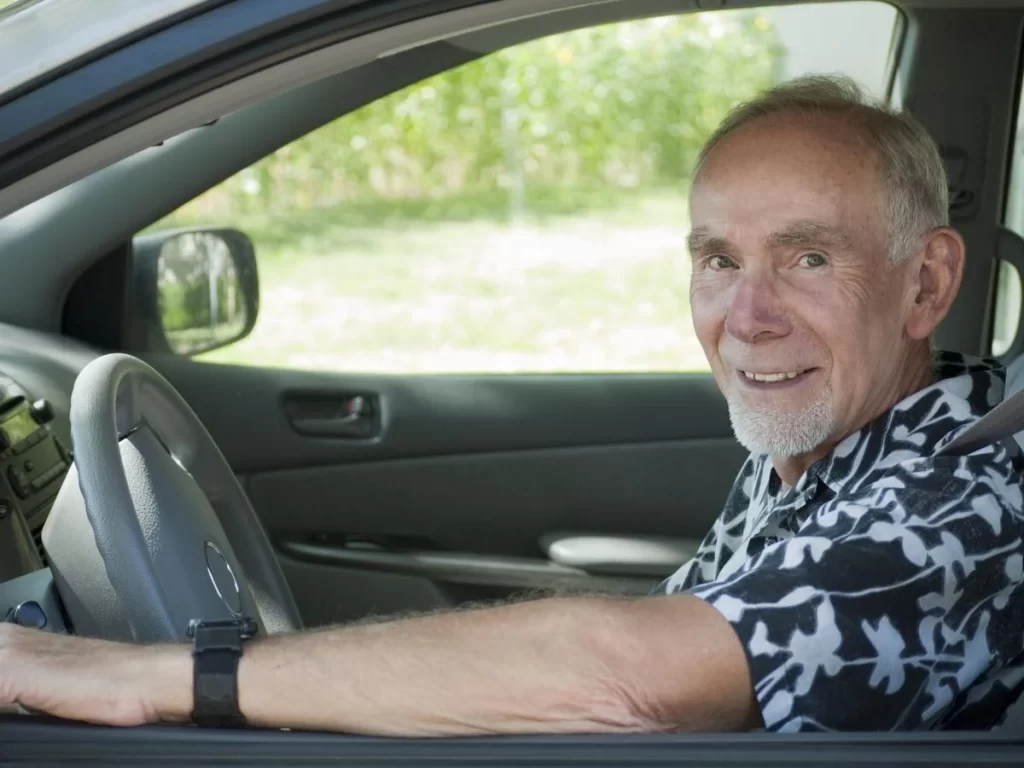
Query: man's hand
{"type": "Point", "coordinates": [95, 681]}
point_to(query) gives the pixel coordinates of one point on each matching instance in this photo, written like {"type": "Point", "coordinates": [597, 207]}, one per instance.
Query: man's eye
{"type": "Point", "coordinates": [813, 260]}
{"type": "Point", "coordinates": [721, 262]}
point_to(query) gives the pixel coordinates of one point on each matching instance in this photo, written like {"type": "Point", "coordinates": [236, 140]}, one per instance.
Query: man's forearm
{"type": "Point", "coordinates": [550, 666]}
{"type": "Point", "coordinates": [544, 666]}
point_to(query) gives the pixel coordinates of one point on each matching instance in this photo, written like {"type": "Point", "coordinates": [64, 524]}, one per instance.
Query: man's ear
{"type": "Point", "coordinates": [938, 269]}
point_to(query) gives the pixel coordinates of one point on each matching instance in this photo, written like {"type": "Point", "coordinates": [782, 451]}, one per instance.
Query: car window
{"type": "Point", "coordinates": [1008, 306]}
{"type": "Point", "coordinates": [525, 212]}
{"type": "Point", "coordinates": [1006, 318]}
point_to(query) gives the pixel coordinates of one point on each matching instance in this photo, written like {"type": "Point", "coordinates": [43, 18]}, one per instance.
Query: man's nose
{"type": "Point", "coordinates": [755, 312]}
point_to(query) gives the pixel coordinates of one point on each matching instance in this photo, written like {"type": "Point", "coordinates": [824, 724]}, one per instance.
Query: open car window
{"type": "Point", "coordinates": [544, 184]}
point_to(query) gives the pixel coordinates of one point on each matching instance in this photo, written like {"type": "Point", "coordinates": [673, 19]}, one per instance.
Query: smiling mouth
{"type": "Point", "coordinates": [776, 377]}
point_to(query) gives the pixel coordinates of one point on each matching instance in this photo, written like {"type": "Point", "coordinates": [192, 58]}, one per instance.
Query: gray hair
{"type": "Point", "coordinates": [917, 193]}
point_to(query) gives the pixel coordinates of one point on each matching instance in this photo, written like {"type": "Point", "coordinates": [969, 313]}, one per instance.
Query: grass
{"type": "Point", "coordinates": [594, 287]}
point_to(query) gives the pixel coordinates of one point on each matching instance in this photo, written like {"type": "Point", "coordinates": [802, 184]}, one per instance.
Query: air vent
{"type": "Point", "coordinates": [37, 538]}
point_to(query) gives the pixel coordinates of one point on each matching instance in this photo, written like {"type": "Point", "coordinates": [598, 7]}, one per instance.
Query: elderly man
{"type": "Point", "coordinates": [860, 576]}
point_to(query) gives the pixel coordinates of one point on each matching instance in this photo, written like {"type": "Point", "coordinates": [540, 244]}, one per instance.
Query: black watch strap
{"type": "Point", "coordinates": [216, 651]}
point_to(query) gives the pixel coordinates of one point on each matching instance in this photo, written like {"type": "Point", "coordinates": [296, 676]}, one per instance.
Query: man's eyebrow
{"type": "Point", "coordinates": [807, 233]}
{"type": "Point", "coordinates": [700, 241]}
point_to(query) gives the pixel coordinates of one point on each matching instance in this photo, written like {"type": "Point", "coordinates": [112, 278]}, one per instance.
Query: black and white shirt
{"type": "Point", "coordinates": [885, 590]}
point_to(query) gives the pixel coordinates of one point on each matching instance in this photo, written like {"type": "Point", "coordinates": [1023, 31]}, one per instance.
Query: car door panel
{"type": "Point", "coordinates": [496, 505]}
{"type": "Point", "coordinates": [245, 407]}
{"type": "Point", "coordinates": [465, 482]}
{"type": "Point", "coordinates": [504, 502]}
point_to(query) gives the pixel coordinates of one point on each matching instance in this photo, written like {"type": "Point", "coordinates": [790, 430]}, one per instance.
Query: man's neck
{"type": "Point", "coordinates": [916, 376]}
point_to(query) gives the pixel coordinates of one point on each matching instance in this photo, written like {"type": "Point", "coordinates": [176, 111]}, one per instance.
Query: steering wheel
{"type": "Point", "coordinates": [151, 528]}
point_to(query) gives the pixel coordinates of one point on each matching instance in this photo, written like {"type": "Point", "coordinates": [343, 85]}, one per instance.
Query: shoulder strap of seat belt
{"type": "Point", "coordinates": [1003, 421]}
{"type": "Point", "coordinates": [1007, 418]}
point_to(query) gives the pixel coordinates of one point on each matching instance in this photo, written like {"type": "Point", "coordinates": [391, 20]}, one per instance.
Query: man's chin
{"type": "Point", "coordinates": [782, 432]}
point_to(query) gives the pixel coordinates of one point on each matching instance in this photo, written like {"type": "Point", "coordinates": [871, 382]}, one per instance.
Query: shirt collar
{"type": "Point", "coordinates": [969, 386]}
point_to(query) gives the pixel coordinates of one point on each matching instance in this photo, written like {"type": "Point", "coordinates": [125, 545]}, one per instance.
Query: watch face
{"type": "Point", "coordinates": [223, 579]}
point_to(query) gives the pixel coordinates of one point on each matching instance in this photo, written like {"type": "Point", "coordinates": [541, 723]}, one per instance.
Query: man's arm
{"type": "Point", "coordinates": [551, 666]}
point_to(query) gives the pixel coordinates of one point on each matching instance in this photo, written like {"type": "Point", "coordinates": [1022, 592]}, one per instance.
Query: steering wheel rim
{"type": "Point", "coordinates": [174, 537]}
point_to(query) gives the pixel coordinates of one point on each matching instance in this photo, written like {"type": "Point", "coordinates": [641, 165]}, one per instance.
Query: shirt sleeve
{"type": "Point", "coordinates": [889, 603]}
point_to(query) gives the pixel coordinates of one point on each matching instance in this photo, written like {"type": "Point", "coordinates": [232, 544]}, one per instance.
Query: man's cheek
{"type": "Point", "coordinates": [708, 310]}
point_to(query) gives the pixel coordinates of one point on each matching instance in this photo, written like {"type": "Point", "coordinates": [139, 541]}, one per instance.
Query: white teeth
{"type": "Point", "coordinates": [771, 376]}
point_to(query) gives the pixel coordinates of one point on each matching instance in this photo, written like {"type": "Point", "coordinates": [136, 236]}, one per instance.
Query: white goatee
{"type": "Point", "coordinates": [783, 433]}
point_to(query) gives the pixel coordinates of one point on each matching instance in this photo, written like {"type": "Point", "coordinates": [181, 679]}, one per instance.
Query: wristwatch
{"type": "Point", "coordinates": [216, 651]}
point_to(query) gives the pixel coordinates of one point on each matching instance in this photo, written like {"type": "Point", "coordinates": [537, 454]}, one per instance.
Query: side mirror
{"type": "Point", "coordinates": [195, 290]}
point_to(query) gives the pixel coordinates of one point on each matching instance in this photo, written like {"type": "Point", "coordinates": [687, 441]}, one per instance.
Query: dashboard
{"type": "Point", "coordinates": [32, 462]}
{"type": "Point", "coordinates": [37, 375]}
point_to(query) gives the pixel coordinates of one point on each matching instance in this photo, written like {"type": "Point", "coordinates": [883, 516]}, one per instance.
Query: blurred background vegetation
{"type": "Point", "coordinates": [552, 125]}
{"type": "Point", "coordinates": [523, 212]}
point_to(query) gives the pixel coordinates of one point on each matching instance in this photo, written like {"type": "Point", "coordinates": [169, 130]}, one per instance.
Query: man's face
{"type": "Point", "coordinates": [793, 299]}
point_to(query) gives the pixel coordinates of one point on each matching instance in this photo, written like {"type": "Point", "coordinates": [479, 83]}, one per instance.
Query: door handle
{"type": "Point", "coordinates": [657, 556]}
{"type": "Point", "coordinates": [355, 416]}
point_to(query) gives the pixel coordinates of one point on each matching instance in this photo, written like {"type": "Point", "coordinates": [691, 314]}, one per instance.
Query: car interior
{"type": "Point", "coordinates": [339, 495]}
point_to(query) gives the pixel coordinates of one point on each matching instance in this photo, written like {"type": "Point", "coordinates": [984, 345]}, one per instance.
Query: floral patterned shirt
{"type": "Point", "coordinates": [885, 589]}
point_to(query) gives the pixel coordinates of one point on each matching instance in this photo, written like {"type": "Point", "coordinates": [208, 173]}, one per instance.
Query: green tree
{"type": "Point", "coordinates": [617, 106]}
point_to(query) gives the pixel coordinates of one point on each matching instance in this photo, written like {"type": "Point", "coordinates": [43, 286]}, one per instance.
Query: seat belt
{"type": "Point", "coordinates": [1003, 421]}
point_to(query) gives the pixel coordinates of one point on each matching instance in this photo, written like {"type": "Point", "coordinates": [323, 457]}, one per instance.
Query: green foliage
{"type": "Point", "coordinates": [535, 126]}
{"type": "Point", "coordinates": [393, 239]}
{"type": "Point", "coordinates": [187, 305]}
